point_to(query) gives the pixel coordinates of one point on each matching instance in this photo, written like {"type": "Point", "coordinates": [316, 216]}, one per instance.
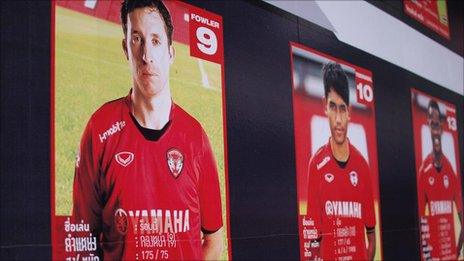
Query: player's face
{"type": "Point", "coordinates": [436, 129]}
{"type": "Point", "coordinates": [147, 48]}
{"type": "Point", "coordinates": [338, 113]}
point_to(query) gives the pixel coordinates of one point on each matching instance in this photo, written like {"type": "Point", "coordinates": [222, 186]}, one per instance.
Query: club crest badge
{"type": "Point", "coordinates": [354, 178]}
{"type": "Point", "coordinates": [124, 158]}
{"type": "Point", "coordinates": [431, 181]}
{"type": "Point", "coordinates": [446, 181]}
{"type": "Point", "coordinates": [329, 177]}
{"type": "Point", "coordinates": [175, 161]}
{"type": "Point", "coordinates": [120, 221]}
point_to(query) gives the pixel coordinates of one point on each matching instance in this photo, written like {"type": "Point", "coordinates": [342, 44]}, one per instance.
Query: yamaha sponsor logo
{"type": "Point", "coordinates": [354, 178]}
{"type": "Point", "coordinates": [440, 207]}
{"type": "Point", "coordinates": [124, 158]}
{"type": "Point", "coordinates": [175, 161]}
{"type": "Point", "coordinates": [116, 127]}
{"type": "Point", "coordinates": [348, 209]}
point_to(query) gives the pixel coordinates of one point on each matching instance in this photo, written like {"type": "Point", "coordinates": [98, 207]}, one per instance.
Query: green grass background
{"type": "Point", "coordinates": [90, 69]}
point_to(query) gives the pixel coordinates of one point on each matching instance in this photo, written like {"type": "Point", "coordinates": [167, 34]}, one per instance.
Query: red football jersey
{"type": "Point", "coordinates": [146, 199]}
{"type": "Point", "coordinates": [340, 203]}
{"type": "Point", "coordinates": [437, 191]}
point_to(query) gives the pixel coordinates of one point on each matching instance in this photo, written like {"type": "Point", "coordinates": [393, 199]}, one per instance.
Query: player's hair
{"type": "Point", "coordinates": [335, 78]}
{"type": "Point", "coordinates": [128, 6]}
{"type": "Point", "coordinates": [433, 104]}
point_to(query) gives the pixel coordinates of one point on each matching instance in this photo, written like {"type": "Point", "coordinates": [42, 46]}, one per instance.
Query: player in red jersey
{"type": "Point", "coordinates": [438, 189]}
{"type": "Point", "coordinates": [340, 200]}
{"type": "Point", "coordinates": [146, 180]}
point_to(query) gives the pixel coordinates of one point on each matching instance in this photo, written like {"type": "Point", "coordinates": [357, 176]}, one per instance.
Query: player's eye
{"type": "Point", "coordinates": [156, 41]}
{"type": "Point", "coordinates": [136, 39]}
{"type": "Point", "coordinates": [332, 106]}
{"type": "Point", "coordinates": [342, 108]}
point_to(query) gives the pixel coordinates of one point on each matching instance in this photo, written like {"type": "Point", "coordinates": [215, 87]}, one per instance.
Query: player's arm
{"type": "Point", "coordinates": [461, 235]}
{"type": "Point", "coordinates": [210, 202]}
{"type": "Point", "coordinates": [86, 200]}
{"type": "Point", "coordinates": [313, 207]}
{"type": "Point", "coordinates": [369, 213]}
{"type": "Point", "coordinates": [211, 247]}
{"type": "Point", "coordinates": [370, 243]}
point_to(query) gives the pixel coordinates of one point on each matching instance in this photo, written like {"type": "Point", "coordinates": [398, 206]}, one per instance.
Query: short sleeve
{"type": "Point", "coordinates": [87, 206]}
{"type": "Point", "coordinates": [421, 196]}
{"type": "Point", "coordinates": [210, 195]}
{"type": "Point", "coordinates": [368, 208]}
{"type": "Point", "coordinates": [314, 209]}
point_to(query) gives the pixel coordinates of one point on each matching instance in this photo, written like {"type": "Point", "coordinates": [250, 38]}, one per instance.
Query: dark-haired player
{"type": "Point", "coordinates": [438, 189]}
{"type": "Point", "coordinates": [340, 200]}
{"type": "Point", "coordinates": [146, 180]}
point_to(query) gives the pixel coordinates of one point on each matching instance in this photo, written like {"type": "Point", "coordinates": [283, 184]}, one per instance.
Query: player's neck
{"type": "Point", "coordinates": [341, 152]}
{"type": "Point", "coordinates": [437, 160]}
{"type": "Point", "coordinates": [153, 112]}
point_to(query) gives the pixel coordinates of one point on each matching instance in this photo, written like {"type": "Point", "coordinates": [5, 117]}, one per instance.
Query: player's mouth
{"type": "Point", "coordinates": [339, 131]}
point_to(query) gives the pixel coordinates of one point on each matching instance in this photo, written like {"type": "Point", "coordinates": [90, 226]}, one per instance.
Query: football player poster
{"type": "Point", "coordinates": [336, 158]}
{"type": "Point", "coordinates": [138, 132]}
{"type": "Point", "coordinates": [439, 194]}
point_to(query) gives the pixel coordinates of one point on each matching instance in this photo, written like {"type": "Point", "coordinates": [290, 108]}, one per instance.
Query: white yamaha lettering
{"type": "Point", "coordinates": [158, 221]}
{"type": "Point", "coordinates": [441, 207]}
{"type": "Point", "coordinates": [124, 158]}
{"type": "Point", "coordinates": [348, 209]}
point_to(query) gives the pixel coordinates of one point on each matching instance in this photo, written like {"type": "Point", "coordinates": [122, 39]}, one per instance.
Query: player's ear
{"type": "Point", "coordinates": [172, 53]}
{"type": "Point", "coordinates": [324, 104]}
{"type": "Point", "coordinates": [124, 47]}
{"type": "Point", "coordinates": [349, 112]}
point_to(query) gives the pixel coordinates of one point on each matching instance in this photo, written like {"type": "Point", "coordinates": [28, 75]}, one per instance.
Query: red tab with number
{"type": "Point", "coordinates": [364, 88]}
{"type": "Point", "coordinates": [206, 35]}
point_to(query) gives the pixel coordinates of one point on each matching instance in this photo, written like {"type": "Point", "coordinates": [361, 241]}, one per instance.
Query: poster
{"type": "Point", "coordinates": [336, 158]}
{"type": "Point", "coordinates": [431, 13]}
{"type": "Point", "coordinates": [138, 160]}
{"type": "Point", "coordinates": [439, 194]}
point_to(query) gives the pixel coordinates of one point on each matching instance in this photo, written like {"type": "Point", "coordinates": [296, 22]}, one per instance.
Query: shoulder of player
{"type": "Point", "coordinates": [356, 156]}
{"type": "Point", "coordinates": [108, 118]}
{"type": "Point", "coordinates": [186, 121]}
{"type": "Point", "coordinates": [320, 159]}
{"type": "Point", "coordinates": [426, 165]}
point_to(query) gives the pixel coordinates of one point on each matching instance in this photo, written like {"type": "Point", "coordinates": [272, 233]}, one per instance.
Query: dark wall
{"type": "Point", "coordinates": [261, 154]}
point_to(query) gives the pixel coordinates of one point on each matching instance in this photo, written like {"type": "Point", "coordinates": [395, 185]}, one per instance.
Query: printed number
{"type": "Point", "coordinates": [207, 40]}
{"type": "Point", "coordinates": [452, 125]}
{"type": "Point", "coordinates": [147, 255]}
{"type": "Point", "coordinates": [164, 254]}
{"type": "Point", "coordinates": [365, 92]}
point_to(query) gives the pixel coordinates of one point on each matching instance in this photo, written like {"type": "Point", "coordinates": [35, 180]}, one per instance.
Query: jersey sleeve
{"type": "Point", "coordinates": [87, 205]}
{"type": "Point", "coordinates": [369, 209]}
{"type": "Point", "coordinates": [209, 192]}
{"type": "Point", "coordinates": [314, 208]}
{"type": "Point", "coordinates": [421, 197]}
{"type": "Point", "coordinates": [457, 192]}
